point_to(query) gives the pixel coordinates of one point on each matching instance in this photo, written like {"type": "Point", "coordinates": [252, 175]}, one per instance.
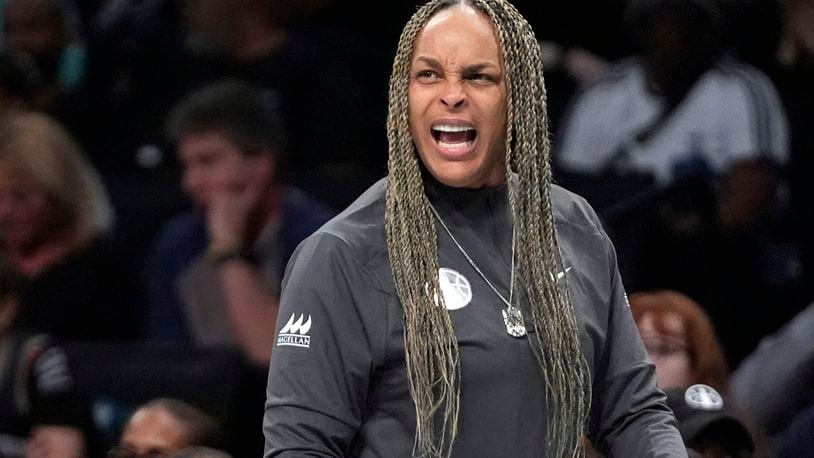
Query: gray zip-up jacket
{"type": "Point", "coordinates": [338, 383]}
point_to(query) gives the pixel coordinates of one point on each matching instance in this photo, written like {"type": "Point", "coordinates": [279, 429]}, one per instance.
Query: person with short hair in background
{"type": "Point", "coordinates": [214, 274]}
{"type": "Point", "coordinates": [166, 426]}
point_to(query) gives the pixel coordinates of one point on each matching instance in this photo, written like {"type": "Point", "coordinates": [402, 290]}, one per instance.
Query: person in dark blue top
{"type": "Point", "coordinates": [214, 273]}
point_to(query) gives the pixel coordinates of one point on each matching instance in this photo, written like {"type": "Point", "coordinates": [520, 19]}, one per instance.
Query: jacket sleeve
{"type": "Point", "coordinates": [773, 383]}
{"type": "Point", "coordinates": [324, 352]}
{"type": "Point", "coordinates": [629, 414]}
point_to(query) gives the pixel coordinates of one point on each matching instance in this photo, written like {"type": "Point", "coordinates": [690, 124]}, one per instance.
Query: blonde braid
{"type": "Point", "coordinates": [431, 349]}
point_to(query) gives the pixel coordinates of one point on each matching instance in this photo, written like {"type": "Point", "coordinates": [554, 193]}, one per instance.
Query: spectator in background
{"type": "Point", "coordinates": [165, 426]}
{"type": "Point", "coordinates": [793, 72]}
{"type": "Point", "coordinates": [659, 114]}
{"type": "Point", "coordinates": [214, 274]}
{"type": "Point", "coordinates": [144, 55]}
{"type": "Point", "coordinates": [680, 339]}
{"type": "Point", "coordinates": [55, 220]}
{"type": "Point", "coordinates": [682, 343]}
{"type": "Point", "coordinates": [313, 71]}
{"type": "Point", "coordinates": [150, 52]}
{"type": "Point", "coordinates": [568, 68]}
{"type": "Point", "coordinates": [774, 383]}
{"type": "Point", "coordinates": [40, 417]}
{"type": "Point", "coordinates": [678, 148]}
{"type": "Point", "coordinates": [50, 32]}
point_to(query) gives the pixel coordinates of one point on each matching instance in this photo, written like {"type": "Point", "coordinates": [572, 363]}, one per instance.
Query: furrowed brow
{"type": "Point", "coordinates": [433, 63]}
{"type": "Point", "coordinates": [477, 68]}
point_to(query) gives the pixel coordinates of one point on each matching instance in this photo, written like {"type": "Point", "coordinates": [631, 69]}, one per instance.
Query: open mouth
{"type": "Point", "coordinates": [454, 135]}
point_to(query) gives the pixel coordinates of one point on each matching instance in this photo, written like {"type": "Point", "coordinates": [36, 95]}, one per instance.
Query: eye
{"type": "Point", "coordinates": [426, 76]}
{"type": "Point", "coordinates": [482, 78]}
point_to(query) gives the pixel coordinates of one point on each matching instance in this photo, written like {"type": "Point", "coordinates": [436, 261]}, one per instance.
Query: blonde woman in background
{"type": "Point", "coordinates": [56, 227]}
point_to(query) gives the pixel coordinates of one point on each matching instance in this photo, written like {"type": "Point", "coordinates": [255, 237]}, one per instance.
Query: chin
{"type": "Point", "coordinates": [457, 180]}
{"type": "Point", "coordinates": [444, 175]}
{"type": "Point", "coordinates": [466, 175]}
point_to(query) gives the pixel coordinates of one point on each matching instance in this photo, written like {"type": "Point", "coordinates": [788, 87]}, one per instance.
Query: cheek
{"type": "Point", "coordinates": [34, 213]}
{"type": "Point", "coordinates": [494, 113]}
{"type": "Point", "coordinates": [413, 117]}
{"type": "Point", "coordinates": [221, 178]}
{"type": "Point", "coordinates": [419, 102]}
{"type": "Point", "coordinates": [27, 222]}
{"type": "Point", "coordinates": [235, 174]}
{"type": "Point", "coordinates": [203, 180]}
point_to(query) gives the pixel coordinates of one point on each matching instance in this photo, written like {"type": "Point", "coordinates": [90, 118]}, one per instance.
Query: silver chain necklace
{"type": "Point", "coordinates": [512, 316]}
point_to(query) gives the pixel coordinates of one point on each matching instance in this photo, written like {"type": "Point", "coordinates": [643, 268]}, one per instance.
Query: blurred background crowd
{"type": "Point", "coordinates": [160, 160]}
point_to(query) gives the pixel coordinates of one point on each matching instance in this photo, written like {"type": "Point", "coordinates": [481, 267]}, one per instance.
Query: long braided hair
{"type": "Point", "coordinates": [432, 358]}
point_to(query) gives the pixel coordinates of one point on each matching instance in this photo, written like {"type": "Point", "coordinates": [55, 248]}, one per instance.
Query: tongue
{"type": "Point", "coordinates": [454, 137]}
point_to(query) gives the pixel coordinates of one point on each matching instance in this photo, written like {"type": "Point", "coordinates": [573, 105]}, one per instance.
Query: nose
{"type": "Point", "coordinates": [453, 95]}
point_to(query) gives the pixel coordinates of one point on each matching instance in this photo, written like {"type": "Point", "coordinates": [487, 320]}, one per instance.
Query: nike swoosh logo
{"type": "Point", "coordinates": [562, 274]}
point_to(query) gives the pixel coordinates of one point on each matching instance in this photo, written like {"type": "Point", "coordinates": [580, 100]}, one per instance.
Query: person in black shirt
{"type": "Point", "coordinates": [40, 415]}
{"type": "Point", "coordinates": [464, 305]}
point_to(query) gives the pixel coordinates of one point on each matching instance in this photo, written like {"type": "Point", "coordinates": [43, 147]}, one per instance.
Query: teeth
{"type": "Point", "coordinates": [451, 128]}
{"type": "Point", "coordinates": [455, 145]}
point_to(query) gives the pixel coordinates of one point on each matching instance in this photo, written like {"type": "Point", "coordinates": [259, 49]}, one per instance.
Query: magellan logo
{"type": "Point", "coordinates": [295, 332]}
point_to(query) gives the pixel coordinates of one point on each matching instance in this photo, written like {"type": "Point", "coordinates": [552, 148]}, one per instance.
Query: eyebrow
{"type": "Point", "coordinates": [474, 68]}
